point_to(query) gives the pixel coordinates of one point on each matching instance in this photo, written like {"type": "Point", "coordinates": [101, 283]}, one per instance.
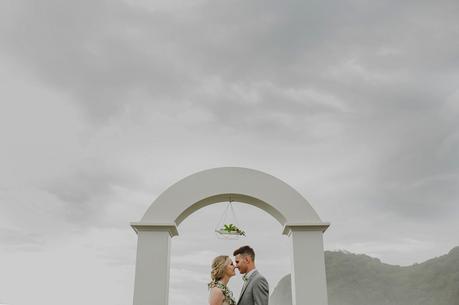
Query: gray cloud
{"type": "Point", "coordinates": [347, 79]}
{"type": "Point", "coordinates": [86, 191]}
{"type": "Point", "coordinates": [114, 55]}
{"type": "Point", "coordinates": [102, 54]}
{"type": "Point", "coordinates": [20, 240]}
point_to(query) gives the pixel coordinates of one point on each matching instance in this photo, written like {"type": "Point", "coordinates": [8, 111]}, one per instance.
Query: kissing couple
{"type": "Point", "coordinates": [255, 289]}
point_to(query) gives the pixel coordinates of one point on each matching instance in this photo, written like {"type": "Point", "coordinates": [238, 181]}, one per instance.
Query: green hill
{"type": "Point", "coordinates": [357, 279]}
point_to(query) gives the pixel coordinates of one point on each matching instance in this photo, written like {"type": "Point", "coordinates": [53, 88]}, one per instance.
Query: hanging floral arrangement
{"type": "Point", "coordinates": [228, 226]}
{"type": "Point", "coordinates": [231, 230]}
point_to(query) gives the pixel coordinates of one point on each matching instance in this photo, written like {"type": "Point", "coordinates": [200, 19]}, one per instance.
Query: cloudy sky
{"type": "Point", "coordinates": [104, 104]}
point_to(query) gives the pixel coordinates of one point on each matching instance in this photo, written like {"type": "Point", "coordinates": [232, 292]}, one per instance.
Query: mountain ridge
{"type": "Point", "coordinates": [359, 279]}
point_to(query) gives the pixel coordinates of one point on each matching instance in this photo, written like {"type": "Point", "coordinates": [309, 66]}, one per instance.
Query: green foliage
{"type": "Point", "coordinates": [231, 228]}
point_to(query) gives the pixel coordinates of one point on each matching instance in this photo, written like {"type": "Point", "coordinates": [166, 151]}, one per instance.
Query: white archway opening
{"type": "Point", "coordinates": [197, 244]}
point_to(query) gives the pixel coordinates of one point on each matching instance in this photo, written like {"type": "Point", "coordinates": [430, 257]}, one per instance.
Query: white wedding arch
{"type": "Point", "coordinates": [292, 211]}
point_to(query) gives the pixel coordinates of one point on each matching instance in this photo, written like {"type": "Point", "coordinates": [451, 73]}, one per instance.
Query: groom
{"type": "Point", "coordinates": [255, 290]}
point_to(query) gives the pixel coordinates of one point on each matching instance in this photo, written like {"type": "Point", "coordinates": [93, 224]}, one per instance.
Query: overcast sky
{"type": "Point", "coordinates": [104, 104]}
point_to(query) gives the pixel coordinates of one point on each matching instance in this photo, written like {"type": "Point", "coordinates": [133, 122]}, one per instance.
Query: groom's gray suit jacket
{"type": "Point", "coordinates": [256, 292]}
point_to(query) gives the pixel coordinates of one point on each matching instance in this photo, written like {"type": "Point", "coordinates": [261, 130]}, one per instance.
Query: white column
{"type": "Point", "coordinates": [152, 271]}
{"type": "Point", "coordinates": [309, 282]}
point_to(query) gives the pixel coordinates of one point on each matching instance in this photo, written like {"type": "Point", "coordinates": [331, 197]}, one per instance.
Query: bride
{"type": "Point", "coordinates": [222, 271]}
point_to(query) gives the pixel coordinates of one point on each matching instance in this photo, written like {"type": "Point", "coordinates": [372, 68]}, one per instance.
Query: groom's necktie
{"type": "Point", "coordinates": [245, 278]}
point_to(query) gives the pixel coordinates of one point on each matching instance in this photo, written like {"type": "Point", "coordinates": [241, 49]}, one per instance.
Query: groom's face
{"type": "Point", "coordinates": [241, 263]}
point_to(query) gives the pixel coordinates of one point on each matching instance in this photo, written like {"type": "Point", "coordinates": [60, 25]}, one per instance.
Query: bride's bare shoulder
{"type": "Point", "coordinates": [216, 290]}
{"type": "Point", "coordinates": [216, 296]}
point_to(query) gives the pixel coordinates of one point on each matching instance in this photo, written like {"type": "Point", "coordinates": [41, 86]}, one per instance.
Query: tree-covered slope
{"type": "Point", "coordinates": [357, 279]}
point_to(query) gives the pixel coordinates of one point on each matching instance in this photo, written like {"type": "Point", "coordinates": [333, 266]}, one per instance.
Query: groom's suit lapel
{"type": "Point", "coordinates": [248, 283]}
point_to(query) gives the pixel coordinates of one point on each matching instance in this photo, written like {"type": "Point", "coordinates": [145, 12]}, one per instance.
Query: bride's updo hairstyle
{"type": "Point", "coordinates": [218, 267]}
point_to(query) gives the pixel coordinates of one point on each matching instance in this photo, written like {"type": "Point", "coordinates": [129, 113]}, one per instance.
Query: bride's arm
{"type": "Point", "coordinates": [216, 296]}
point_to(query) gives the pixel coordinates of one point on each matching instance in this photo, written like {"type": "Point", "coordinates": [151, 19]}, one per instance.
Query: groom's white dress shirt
{"type": "Point", "coordinates": [248, 274]}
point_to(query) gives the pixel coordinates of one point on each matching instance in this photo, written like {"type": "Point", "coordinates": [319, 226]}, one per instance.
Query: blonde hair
{"type": "Point", "coordinates": [218, 267]}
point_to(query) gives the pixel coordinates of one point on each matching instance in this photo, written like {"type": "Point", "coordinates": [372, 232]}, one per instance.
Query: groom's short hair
{"type": "Point", "coordinates": [245, 250]}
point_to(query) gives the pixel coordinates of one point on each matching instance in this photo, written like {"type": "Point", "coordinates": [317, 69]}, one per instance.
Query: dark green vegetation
{"type": "Point", "coordinates": [357, 279]}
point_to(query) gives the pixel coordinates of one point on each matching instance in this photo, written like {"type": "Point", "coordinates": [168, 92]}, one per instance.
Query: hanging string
{"type": "Point", "coordinates": [233, 213]}
{"type": "Point", "coordinates": [224, 213]}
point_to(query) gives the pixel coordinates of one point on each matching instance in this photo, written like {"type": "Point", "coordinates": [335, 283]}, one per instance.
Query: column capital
{"type": "Point", "coordinates": [169, 227]}
{"type": "Point", "coordinates": [320, 226]}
